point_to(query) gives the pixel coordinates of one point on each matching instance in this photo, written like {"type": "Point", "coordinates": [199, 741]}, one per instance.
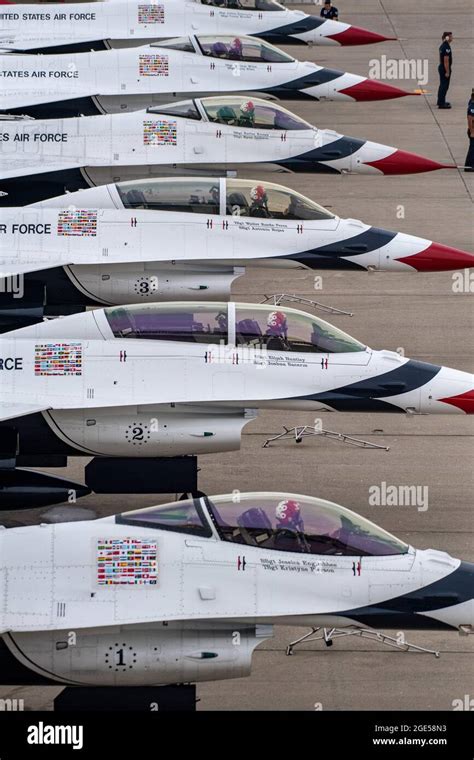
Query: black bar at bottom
{"type": "Point", "coordinates": [423, 735]}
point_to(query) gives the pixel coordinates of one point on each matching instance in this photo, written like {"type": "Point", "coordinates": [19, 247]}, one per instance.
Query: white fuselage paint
{"type": "Point", "coordinates": [131, 142]}
{"type": "Point", "coordinates": [62, 561]}
{"type": "Point", "coordinates": [159, 372]}
{"type": "Point", "coordinates": [27, 26]}
{"type": "Point", "coordinates": [129, 242]}
{"type": "Point", "coordinates": [119, 79]}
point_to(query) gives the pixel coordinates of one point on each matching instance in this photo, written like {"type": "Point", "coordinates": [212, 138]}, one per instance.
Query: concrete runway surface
{"type": "Point", "coordinates": [417, 312]}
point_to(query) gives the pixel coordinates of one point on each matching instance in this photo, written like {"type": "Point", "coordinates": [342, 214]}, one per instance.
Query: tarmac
{"type": "Point", "coordinates": [420, 314]}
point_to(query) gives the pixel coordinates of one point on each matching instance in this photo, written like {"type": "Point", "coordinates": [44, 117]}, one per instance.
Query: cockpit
{"type": "Point", "coordinates": [274, 521]}
{"type": "Point", "coordinates": [255, 113]}
{"type": "Point", "coordinates": [184, 44]}
{"type": "Point", "coordinates": [228, 47]}
{"type": "Point", "coordinates": [187, 194]}
{"type": "Point", "coordinates": [227, 197]}
{"type": "Point", "coordinates": [258, 326]}
{"type": "Point", "coordinates": [246, 5]}
{"type": "Point", "coordinates": [249, 49]}
{"type": "Point", "coordinates": [235, 111]}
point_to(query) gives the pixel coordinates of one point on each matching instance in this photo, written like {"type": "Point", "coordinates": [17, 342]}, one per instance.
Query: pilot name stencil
{"type": "Point", "coordinates": [233, 14]}
{"type": "Point", "coordinates": [238, 66]}
{"type": "Point", "coordinates": [261, 226]}
{"type": "Point", "coordinates": [240, 135]}
{"type": "Point", "coordinates": [286, 361]}
{"type": "Point", "coordinates": [298, 566]}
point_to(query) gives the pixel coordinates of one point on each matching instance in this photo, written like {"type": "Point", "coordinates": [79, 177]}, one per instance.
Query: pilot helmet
{"type": "Point", "coordinates": [248, 108]}
{"type": "Point", "coordinates": [236, 45]}
{"type": "Point", "coordinates": [219, 48]}
{"type": "Point", "coordinates": [258, 194]}
{"type": "Point", "coordinates": [276, 322]}
{"type": "Point", "coordinates": [225, 114]}
{"type": "Point", "coordinates": [221, 319]}
{"type": "Point", "coordinates": [288, 514]}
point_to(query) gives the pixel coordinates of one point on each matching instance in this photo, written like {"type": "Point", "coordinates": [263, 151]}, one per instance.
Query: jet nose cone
{"type": "Point", "coordinates": [355, 35]}
{"type": "Point", "coordinates": [448, 391]}
{"type": "Point", "coordinates": [370, 89]}
{"type": "Point", "coordinates": [439, 258]}
{"type": "Point", "coordinates": [463, 401]}
{"type": "Point", "coordinates": [402, 162]}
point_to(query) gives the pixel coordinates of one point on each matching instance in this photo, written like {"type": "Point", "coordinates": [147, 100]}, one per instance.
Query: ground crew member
{"type": "Point", "coordinates": [469, 163]}
{"type": "Point", "coordinates": [329, 11]}
{"type": "Point", "coordinates": [445, 68]}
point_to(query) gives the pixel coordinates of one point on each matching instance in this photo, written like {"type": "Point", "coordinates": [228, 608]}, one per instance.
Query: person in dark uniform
{"type": "Point", "coordinates": [445, 68]}
{"type": "Point", "coordinates": [469, 162]}
{"type": "Point", "coordinates": [329, 11]}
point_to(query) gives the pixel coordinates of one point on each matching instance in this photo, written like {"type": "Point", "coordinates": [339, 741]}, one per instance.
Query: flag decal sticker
{"type": "Point", "coordinates": [151, 14]}
{"type": "Point", "coordinates": [77, 222]}
{"type": "Point", "coordinates": [58, 359]}
{"type": "Point", "coordinates": [153, 65]}
{"type": "Point", "coordinates": [160, 132]}
{"type": "Point", "coordinates": [126, 562]}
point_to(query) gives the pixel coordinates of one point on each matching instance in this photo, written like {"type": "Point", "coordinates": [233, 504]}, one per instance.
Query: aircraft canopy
{"type": "Point", "coordinates": [229, 47]}
{"type": "Point", "coordinates": [259, 326]}
{"type": "Point", "coordinates": [275, 521]}
{"type": "Point", "coordinates": [231, 197]}
{"type": "Point", "coordinates": [236, 111]}
{"type": "Point", "coordinates": [245, 5]}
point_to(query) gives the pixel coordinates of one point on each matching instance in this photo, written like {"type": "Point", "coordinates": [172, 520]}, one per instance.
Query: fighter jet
{"type": "Point", "coordinates": [166, 380]}
{"type": "Point", "coordinates": [54, 86]}
{"type": "Point", "coordinates": [201, 134]}
{"type": "Point", "coordinates": [96, 26]}
{"type": "Point", "coordinates": [215, 230]}
{"type": "Point", "coordinates": [140, 591]}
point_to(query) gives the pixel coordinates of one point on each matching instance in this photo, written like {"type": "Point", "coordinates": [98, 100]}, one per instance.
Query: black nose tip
{"type": "Point", "coordinates": [466, 576]}
{"type": "Point", "coordinates": [427, 607]}
{"type": "Point", "coordinates": [455, 588]}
